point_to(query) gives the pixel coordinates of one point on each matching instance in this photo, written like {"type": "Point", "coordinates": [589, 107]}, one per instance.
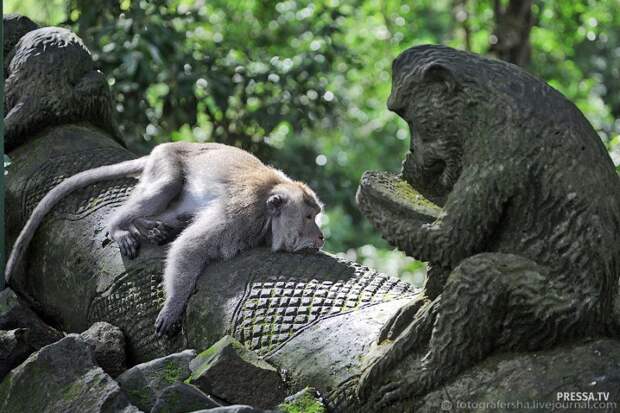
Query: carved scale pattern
{"type": "Point", "coordinates": [132, 303]}
{"type": "Point", "coordinates": [89, 199]}
{"type": "Point", "coordinates": [274, 311]}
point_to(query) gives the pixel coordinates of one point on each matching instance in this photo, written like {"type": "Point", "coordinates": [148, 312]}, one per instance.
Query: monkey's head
{"type": "Point", "coordinates": [293, 208]}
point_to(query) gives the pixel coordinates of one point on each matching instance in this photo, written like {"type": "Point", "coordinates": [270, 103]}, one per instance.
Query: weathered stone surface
{"type": "Point", "coordinates": [37, 94]}
{"type": "Point", "coordinates": [14, 27]}
{"type": "Point", "coordinates": [236, 408]}
{"type": "Point", "coordinates": [145, 382]}
{"type": "Point", "coordinates": [235, 374]}
{"type": "Point", "coordinates": [62, 377]}
{"type": "Point", "coordinates": [307, 400]}
{"type": "Point", "coordinates": [109, 345]}
{"type": "Point", "coordinates": [181, 398]}
{"type": "Point", "coordinates": [525, 254]}
{"type": "Point", "coordinates": [14, 348]}
{"type": "Point", "coordinates": [14, 313]}
{"type": "Point", "coordinates": [510, 378]}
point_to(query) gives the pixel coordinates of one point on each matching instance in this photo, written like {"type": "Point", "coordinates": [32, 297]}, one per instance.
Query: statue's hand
{"type": "Point", "coordinates": [168, 320]}
{"type": "Point", "coordinates": [400, 320]}
{"type": "Point", "coordinates": [410, 328]}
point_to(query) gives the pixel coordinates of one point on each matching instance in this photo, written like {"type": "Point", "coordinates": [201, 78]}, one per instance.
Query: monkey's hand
{"type": "Point", "coordinates": [168, 320]}
{"type": "Point", "coordinates": [127, 242]}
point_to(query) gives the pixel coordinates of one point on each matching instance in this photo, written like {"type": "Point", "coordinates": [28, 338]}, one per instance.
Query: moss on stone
{"type": "Point", "coordinates": [140, 397]}
{"type": "Point", "coordinates": [304, 404]}
{"type": "Point", "coordinates": [72, 391]}
{"type": "Point", "coordinates": [172, 373]}
{"type": "Point", "coordinates": [403, 190]}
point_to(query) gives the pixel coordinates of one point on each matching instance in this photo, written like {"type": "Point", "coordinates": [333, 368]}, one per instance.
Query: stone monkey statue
{"type": "Point", "coordinates": [529, 235]}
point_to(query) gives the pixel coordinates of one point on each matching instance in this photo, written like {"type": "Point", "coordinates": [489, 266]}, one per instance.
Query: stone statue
{"type": "Point", "coordinates": [316, 317]}
{"type": "Point", "coordinates": [13, 28]}
{"type": "Point", "coordinates": [51, 79]}
{"type": "Point", "coordinates": [526, 248]}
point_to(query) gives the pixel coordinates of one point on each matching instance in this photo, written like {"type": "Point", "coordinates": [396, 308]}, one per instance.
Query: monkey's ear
{"type": "Point", "coordinates": [439, 72]}
{"type": "Point", "coordinates": [275, 203]}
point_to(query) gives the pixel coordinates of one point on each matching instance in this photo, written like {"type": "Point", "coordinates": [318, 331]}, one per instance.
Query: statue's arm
{"type": "Point", "coordinates": [470, 215]}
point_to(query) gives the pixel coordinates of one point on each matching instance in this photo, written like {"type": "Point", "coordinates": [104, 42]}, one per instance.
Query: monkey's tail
{"type": "Point", "coordinates": [66, 187]}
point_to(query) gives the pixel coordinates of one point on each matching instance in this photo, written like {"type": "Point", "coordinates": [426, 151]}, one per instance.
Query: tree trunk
{"type": "Point", "coordinates": [510, 40]}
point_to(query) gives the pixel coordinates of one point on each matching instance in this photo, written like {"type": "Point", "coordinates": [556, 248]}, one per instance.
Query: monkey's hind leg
{"type": "Point", "coordinates": [160, 182]}
{"type": "Point", "coordinates": [154, 231]}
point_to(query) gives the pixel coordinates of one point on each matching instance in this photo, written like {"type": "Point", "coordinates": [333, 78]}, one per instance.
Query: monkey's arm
{"type": "Point", "coordinates": [205, 240]}
{"type": "Point", "coordinates": [472, 210]}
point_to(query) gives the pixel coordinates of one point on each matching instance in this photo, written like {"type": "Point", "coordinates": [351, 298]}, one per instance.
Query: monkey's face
{"type": "Point", "coordinates": [294, 209]}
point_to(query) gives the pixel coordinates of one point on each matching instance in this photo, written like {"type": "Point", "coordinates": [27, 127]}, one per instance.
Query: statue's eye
{"type": "Point", "coordinates": [308, 216]}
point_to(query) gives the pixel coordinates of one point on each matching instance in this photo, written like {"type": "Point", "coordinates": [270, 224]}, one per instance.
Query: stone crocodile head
{"type": "Point", "coordinates": [52, 80]}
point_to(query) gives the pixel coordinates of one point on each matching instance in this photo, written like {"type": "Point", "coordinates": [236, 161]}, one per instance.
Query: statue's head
{"type": "Point", "coordinates": [428, 94]}
{"type": "Point", "coordinates": [51, 80]}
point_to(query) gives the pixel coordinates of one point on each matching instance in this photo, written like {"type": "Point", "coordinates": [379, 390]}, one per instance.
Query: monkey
{"type": "Point", "coordinates": [210, 201]}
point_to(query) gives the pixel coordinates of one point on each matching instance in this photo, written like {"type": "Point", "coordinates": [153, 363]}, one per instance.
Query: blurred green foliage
{"type": "Point", "coordinates": [303, 84]}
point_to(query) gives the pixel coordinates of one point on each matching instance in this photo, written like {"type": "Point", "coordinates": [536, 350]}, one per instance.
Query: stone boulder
{"type": "Point", "coordinates": [181, 398]}
{"type": "Point", "coordinates": [22, 332]}
{"type": "Point", "coordinates": [236, 408]}
{"type": "Point", "coordinates": [14, 348]}
{"type": "Point", "coordinates": [62, 377]}
{"type": "Point", "coordinates": [109, 345]}
{"type": "Point", "coordinates": [231, 372]}
{"type": "Point", "coordinates": [14, 313]}
{"type": "Point", "coordinates": [144, 383]}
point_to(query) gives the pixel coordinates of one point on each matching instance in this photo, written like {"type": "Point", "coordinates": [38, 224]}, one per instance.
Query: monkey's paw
{"type": "Point", "coordinates": [127, 242]}
{"type": "Point", "coordinates": [168, 321]}
{"type": "Point", "coordinates": [153, 231]}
